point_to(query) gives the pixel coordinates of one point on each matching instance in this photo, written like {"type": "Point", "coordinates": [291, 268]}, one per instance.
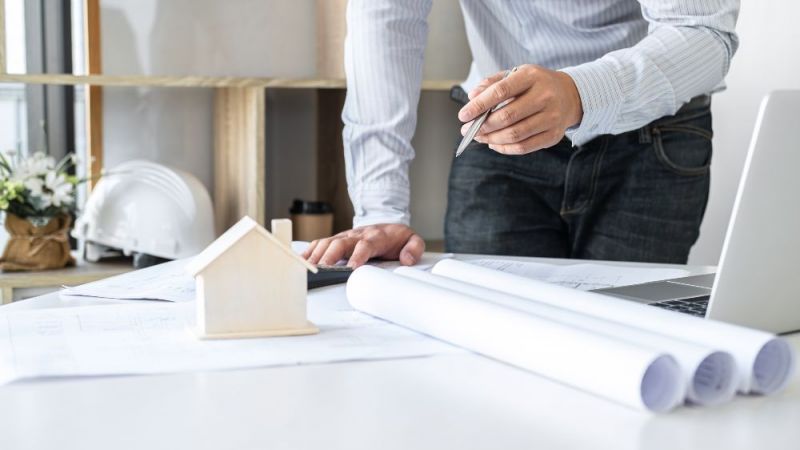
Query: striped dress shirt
{"type": "Point", "coordinates": [632, 61]}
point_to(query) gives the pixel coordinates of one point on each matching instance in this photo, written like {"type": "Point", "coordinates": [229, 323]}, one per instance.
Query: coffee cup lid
{"type": "Point", "coordinates": [308, 207]}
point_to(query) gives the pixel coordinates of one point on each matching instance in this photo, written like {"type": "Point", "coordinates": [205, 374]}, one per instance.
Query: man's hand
{"type": "Point", "coordinates": [387, 241]}
{"type": "Point", "coordinates": [545, 103]}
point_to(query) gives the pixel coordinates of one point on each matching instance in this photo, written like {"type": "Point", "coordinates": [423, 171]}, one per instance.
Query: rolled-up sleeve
{"type": "Point", "coordinates": [384, 52]}
{"type": "Point", "coordinates": [687, 52]}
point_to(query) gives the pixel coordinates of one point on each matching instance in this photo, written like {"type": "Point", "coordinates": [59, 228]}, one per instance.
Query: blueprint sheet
{"type": "Point", "coordinates": [156, 337]}
{"type": "Point", "coordinates": [168, 281]}
{"type": "Point", "coordinates": [582, 276]}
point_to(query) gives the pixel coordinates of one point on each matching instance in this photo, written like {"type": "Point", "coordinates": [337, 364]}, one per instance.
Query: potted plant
{"type": "Point", "coordinates": [38, 198]}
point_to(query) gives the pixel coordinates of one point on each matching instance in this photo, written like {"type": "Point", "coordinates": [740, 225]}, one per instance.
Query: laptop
{"type": "Point", "coordinates": [757, 283]}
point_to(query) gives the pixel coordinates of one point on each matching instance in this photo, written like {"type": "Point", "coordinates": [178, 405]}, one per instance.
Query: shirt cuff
{"type": "Point", "coordinates": [601, 98]}
{"type": "Point", "coordinates": [380, 205]}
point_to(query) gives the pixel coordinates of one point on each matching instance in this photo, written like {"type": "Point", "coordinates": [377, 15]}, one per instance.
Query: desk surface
{"type": "Point", "coordinates": [455, 401]}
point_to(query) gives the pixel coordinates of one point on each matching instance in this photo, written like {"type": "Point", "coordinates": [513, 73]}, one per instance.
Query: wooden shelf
{"type": "Point", "coordinates": [82, 272]}
{"type": "Point", "coordinates": [239, 126]}
{"type": "Point", "coordinates": [195, 81]}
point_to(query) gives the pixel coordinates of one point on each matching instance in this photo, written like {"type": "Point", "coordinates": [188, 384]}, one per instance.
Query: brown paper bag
{"type": "Point", "coordinates": [36, 248]}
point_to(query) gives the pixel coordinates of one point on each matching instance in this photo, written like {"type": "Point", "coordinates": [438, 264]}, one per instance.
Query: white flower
{"type": "Point", "coordinates": [53, 190]}
{"type": "Point", "coordinates": [45, 184]}
{"type": "Point", "coordinates": [34, 185]}
{"type": "Point", "coordinates": [59, 188]}
{"type": "Point", "coordinates": [36, 165]}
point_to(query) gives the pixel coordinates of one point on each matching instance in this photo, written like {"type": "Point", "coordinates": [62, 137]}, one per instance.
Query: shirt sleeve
{"type": "Point", "coordinates": [687, 52]}
{"type": "Point", "coordinates": [384, 51]}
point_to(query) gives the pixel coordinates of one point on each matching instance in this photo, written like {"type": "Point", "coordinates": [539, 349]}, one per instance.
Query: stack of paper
{"type": "Point", "coordinates": [157, 337]}
{"type": "Point", "coordinates": [630, 353]}
{"type": "Point", "coordinates": [168, 281]}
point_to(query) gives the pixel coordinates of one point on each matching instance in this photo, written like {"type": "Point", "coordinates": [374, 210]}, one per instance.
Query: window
{"type": "Point", "coordinates": [13, 110]}
{"type": "Point", "coordinates": [35, 117]}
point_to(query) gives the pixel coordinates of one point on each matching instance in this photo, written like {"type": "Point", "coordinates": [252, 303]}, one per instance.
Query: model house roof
{"type": "Point", "coordinates": [235, 233]}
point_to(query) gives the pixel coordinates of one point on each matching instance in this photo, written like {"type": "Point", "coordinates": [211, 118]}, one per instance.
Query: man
{"type": "Point", "coordinates": [602, 153]}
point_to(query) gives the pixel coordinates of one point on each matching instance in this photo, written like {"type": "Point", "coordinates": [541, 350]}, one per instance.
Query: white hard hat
{"type": "Point", "coordinates": [146, 208]}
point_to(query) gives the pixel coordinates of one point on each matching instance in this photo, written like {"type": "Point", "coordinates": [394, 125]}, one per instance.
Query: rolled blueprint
{"type": "Point", "coordinates": [630, 374]}
{"type": "Point", "coordinates": [765, 362]}
{"type": "Point", "coordinates": [710, 375]}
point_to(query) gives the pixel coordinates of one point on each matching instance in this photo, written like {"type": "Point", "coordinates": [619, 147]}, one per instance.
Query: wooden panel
{"type": "Point", "coordinates": [94, 133]}
{"type": "Point", "coordinates": [2, 37]}
{"type": "Point", "coordinates": [92, 36]}
{"type": "Point", "coordinates": [196, 81]}
{"type": "Point", "coordinates": [239, 182]}
{"type": "Point", "coordinates": [331, 31]}
{"type": "Point", "coordinates": [331, 181]}
{"type": "Point", "coordinates": [94, 94]}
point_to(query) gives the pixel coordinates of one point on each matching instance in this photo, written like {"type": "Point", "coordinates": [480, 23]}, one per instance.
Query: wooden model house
{"type": "Point", "coordinates": [250, 283]}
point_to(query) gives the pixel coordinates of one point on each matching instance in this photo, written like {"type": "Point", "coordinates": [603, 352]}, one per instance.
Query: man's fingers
{"type": "Point", "coordinates": [319, 250]}
{"type": "Point", "coordinates": [391, 241]}
{"type": "Point", "coordinates": [546, 139]}
{"type": "Point", "coordinates": [518, 109]}
{"type": "Point", "coordinates": [412, 251]}
{"type": "Point", "coordinates": [465, 127]}
{"type": "Point", "coordinates": [338, 249]}
{"type": "Point", "coordinates": [514, 113]}
{"type": "Point", "coordinates": [485, 84]}
{"type": "Point", "coordinates": [307, 252]}
{"type": "Point", "coordinates": [494, 95]}
{"type": "Point", "coordinates": [518, 132]}
{"type": "Point", "coordinates": [477, 90]}
{"type": "Point", "coordinates": [363, 251]}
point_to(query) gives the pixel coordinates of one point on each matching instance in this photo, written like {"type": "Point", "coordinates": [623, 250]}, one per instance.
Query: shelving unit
{"type": "Point", "coordinates": [239, 119]}
{"type": "Point", "coordinates": [196, 81]}
{"type": "Point", "coordinates": [239, 126]}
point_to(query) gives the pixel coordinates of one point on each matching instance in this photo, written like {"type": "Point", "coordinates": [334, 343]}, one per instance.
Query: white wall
{"type": "Point", "coordinates": [194, 37]}
{"type": "Point", "coordinates": [210, 37]}
{"type": "Point", "coordinates": [256, 38]}
{"type": "Point", "coordinates": [768, 59]}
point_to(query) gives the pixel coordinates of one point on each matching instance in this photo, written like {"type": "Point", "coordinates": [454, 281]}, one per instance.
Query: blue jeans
{"type": "Point", "coordinates": [636, 196]}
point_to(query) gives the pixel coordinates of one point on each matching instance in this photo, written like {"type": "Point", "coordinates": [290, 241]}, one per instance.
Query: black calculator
{"type": "Point", "coordinates": [328, 276]}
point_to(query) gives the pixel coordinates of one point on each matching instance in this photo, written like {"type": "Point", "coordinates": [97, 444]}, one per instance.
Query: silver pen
{"type": "Point", "coordinates": [476, 124]}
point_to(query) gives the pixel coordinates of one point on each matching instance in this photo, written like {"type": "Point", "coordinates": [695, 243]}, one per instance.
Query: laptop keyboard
{"type": "Point", "coordinates": [695, 306]}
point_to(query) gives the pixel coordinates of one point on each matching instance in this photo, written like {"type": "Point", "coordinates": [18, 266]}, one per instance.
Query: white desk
{"type": "Point", "coordinates": [463, 402]}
